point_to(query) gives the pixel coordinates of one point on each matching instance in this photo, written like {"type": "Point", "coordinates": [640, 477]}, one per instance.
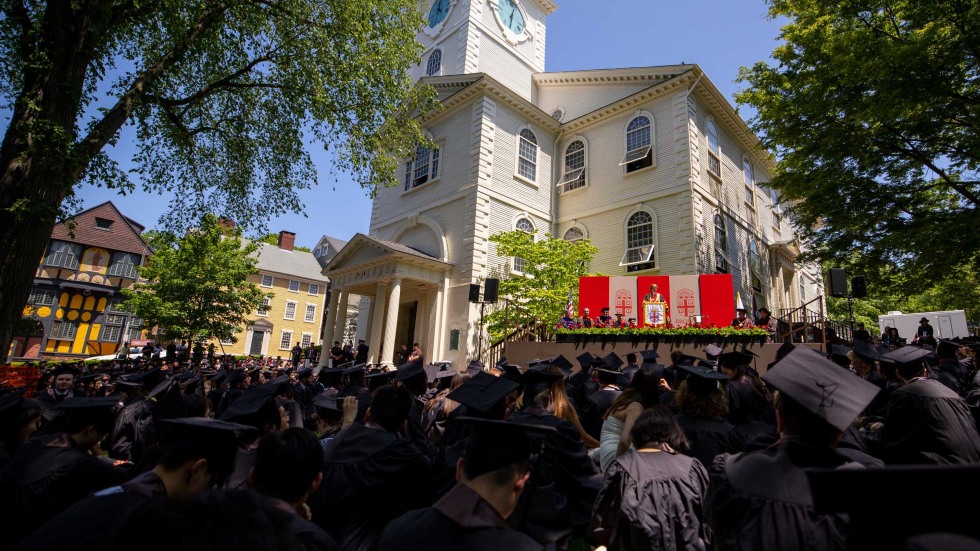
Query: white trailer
{"type": "Point", "coordinates": [946, 325]}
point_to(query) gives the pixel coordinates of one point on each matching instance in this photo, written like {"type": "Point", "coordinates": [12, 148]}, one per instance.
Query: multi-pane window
{"type": "Point", "coordinates": [43, 297]}
{"type": "Point", "coordinates": [286, 340]}
{"type": "Point", "coordinates": [124, 265]}
{"type": "Point", "coordinates": [103, 223]}
{"type": "Point", "coordinates": [114, 305]}
{"type": "Point", "coordinates": [314, 288]}
{"type": "Point", "coordinates": [574, 176]}
{"type": "Point", "coordinates": [755, 261]}
{"type": "Point", "coordinates": [435, 63]}
{"type": "Point", "coordinates": [306, 340]}
{"type": "Point", "coordinates": [524, 225]}
{"type": "Point", "coordinates": [310, 316]}
{"type": "Point", "coordinates": [777, 212]}
{"type": "Point", "coordinates": [63, 255]}
{"type": "Point", "coordinates": [113, 319]}
{"type": "Point", "coordinates": [639, 243]}
{"type": "Point", "coordinates": [110, 333]}
{"type": "Point", "coordinates": [293, 286]}
{"type": "Point", "coordinates": [267, 280]}
{"type": "Point", "coordinates": [573, 235]}
{"type": "Point", "coordinates": [527, 158]}
{"type": "Point", "coordinates": [749, 178]}
{"type": "Point", "coordinates": [290, 313]}
{"type": "Point", "coordinates": [639, 144]}
{"type": "Point", "coordinates": [263, 309]}
{"type": "Point", "coordinates": [135, 329]}
{"type": "Point", "coordinates": [721, 244]}
{"type": "Point", "coordinates": [714, 150]}
{"type": "Point", "coordinates": [64, 330]}
{"type": "Point", "coordinates": [423, 168]}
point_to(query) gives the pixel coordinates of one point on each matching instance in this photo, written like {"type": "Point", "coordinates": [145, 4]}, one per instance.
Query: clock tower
{"type": "Point", "coordinates": [502, 38]}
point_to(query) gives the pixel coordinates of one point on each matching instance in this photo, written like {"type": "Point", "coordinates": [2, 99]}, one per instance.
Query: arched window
{"type": "Point", "coordinates": [527, 155]}
{"type": "Point", "coordinates": [639, 144]}
{"type": "Point", "coordinates": [639, 243]}
{"type": "Point", "coordinates": [524, 225]}
{"type": "Point", "coordinates": [721, 244]}
{"type": "Point", "coordinates": [423, 168]}
{"type": "Point", "coordinates": [574, 174]}
{"type": "Point", "coordinates": [124, 265]}
{"type": "Point", "coordinates": [573, 234]}
{"type": "Point", "coordinates": [714, 150]}
{"type": "Point", "coordinates": [435, 63]}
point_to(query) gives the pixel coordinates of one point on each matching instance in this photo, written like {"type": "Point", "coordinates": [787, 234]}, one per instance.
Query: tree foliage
{"type": "Point", "coordinates": [196, 287]}
{"type": "Point", "coordinates": [873, 110]}
{"type": "Point", "coordinates": [551, 268]}
{"type": "Point", "coordinates": [273, 239]}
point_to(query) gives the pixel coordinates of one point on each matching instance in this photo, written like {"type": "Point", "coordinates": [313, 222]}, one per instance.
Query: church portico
{"type": "Point", "coordinates": [406, 289]}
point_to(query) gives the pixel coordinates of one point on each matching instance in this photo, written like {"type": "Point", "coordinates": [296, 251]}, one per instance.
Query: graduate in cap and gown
{"type": "Point", "coordinates": [761, 499]}
{"type": "Point", "coordinates": [702, 408]}
{"type": "Point", "coordinates": [258, 408]}
{"type": "Point", "coordinates": [644, 391]}
{"type": "Point", "coordinates": [412, 376]}
{"type": "Point", "coordinates": [598, 403]}
{"type": "Point", "coordinates": [473, 516]}
{"type": "Point", "coordinates": [19, 419]}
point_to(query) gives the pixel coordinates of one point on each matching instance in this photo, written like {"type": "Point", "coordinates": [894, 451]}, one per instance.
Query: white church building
{"type": "Point", "coordinates": [652, 164]}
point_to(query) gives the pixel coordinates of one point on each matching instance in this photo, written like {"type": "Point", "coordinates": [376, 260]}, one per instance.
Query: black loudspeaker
{"type": "Point", "coordinates": [474, 292]}
{"type": "Point", "coordinates": [490, 289]}
{"type": "Point", "coordinates": [837, 280]}
{"type": "Point", "coordinates": [859, 287]}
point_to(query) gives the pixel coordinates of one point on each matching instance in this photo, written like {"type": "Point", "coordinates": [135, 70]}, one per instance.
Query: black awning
{"type": "Point", "coordinates": [86, 287]}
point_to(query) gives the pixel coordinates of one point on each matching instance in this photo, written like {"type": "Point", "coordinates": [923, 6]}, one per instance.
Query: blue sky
{"type": "Point", "coordinates": [719, 35]}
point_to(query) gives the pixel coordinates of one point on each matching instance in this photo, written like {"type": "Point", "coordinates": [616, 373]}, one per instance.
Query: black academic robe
{"type": "Point", "coordinates": [595, 407]}
{"type": "Point", "coordinates": [762, 500]}
{"type": "Point", "coordinates": [652, 500]}
{"type": "Point", "coordinates": [371, 476]}
{"type": "Point", "coordinates": [709, 438]}
{"type": "Point", "coordinates": [564, 485]}
{"type": "Point", "coordinates": [48, 474]}
{"type": "Point", "coordinates": [127, 441]}
{"type": "Point", "coordinates": [741, 399]}
{"type": "Point", "coordinates": [415, 432]}
{"type": "Point", "coordinates": [461, 520]}
{"type": "Point", "coordinates": [92, 523]}
{"type": "Point", "coordinates": [926, 422]}
{"type": "Point", "coordinates": [227, 399]}
{"type": "Point", "coordinates": [952, 374]}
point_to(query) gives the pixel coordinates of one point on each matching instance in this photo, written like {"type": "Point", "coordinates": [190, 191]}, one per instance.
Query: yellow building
{"type": "Point", "coordinates": [294, 312]}
{"type": "Point", "coordinates": [76, 287]}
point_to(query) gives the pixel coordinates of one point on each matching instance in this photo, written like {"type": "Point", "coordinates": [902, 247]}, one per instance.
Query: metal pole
{"type": "Point", "coordinates": [850, 313]}
{"type": "Point", "coordinates": [479, 353]}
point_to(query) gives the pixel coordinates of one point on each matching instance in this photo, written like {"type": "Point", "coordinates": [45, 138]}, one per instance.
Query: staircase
{"type": "Point", "coordinates": [809, 323]}
{"type": "Point", "coordinates": [532, 331]}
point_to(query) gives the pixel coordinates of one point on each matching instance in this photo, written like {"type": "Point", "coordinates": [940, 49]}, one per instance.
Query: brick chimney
{"type": "Point", "coordinates": [226, 223]}
{"type": "Point", "coordinates": [287, 240]}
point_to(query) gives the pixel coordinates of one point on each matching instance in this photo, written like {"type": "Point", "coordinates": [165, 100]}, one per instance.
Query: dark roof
{"type": "Point", "coordinates": [122, 235]}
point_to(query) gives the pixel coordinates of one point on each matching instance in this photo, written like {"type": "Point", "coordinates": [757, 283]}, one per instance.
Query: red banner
{"type": "Point", "coordinates": [16, 377]}
{"type": "Point", "coordinates": [717, 299]}
{"type": "Point", "coordinates": [710, 296]}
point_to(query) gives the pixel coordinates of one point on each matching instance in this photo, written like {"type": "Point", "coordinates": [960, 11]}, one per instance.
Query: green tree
{"type": "Point", "coordinates": [550, 269]}
{"type": "Point", "coordinates": [872, 110]}
{"type": "Point", "coordinates": [222, 96]}
{"type": "Point", "coordinates": [196, 287]}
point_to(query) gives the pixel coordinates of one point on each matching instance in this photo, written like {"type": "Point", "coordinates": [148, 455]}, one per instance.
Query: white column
{"type": "Point", "coordinates": [441, 313]}
{"type": "Point", "coordinates": [422, 323]}
{"type": "Point", "coordinates": [391, 321]}
{"type": "Point", "coordinates": [328, 328]}
{"type": "Point", "coordinates": [377, 315]}
{"type": "Point", "coordinates": [340, 323]}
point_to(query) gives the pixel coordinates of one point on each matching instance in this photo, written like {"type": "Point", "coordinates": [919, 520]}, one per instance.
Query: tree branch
{"type": "Point", "coordinates": [224, 82]}
{"type": "Point", "coordinates": [16, 11]}
{"type": "Point", "coordinates": [117, 116]}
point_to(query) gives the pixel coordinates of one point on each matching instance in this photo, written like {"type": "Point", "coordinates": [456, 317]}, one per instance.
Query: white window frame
{"type": "Point", "coordinates": [755, 258]}
{"type": "Point", "coordinates": [581, 234]}
{"type": "Point", "coordinates": [58, 331]}
{"type": "Point", "coordinates": [436, 58]}
{"type": "Point", "coordinates": [263, 309]}
{"type": "Point", "coordinates": [307, 317]}
{"type": "Point", "coordinates": [123, 265]}
{"type": "Point", "coordinates": [639, 152]}
{"type": "Point", "coordinates": [528, 151]}
{"type": "Point", "coordinates": [110, 333]}
{"type": "Point", "coordinates": [62, 254]}
{"type": "Point", "coordinates": [646, 251]}
{"type": "Point", "coordinates": [288, 340]}
{"type": "Point", "coordinates": [418, 174]}
{"type": "Point", "coordinates": [574, 177]}
{"type": "Point", "coordinates": [748, 177]}
{"type": "Point", "coordinates": [777, 211]}
{"type": "Point", "coordinates": [43, 297]}
{"type": "Point", "coordinates": [285, 311]}
{"type": "Point", "coordinates": [293, 286]}
{"type": "Point", "coordinates": [272, 281]}
{"type": "Point", "coordinates": [721, 243]}
{"type": "Point", "coordinates": [113, 319]}
{"type": "Point", "coordinates": [518, 263]}
{"type": "Point", "coordinates": [135, 333]}
{"type": "Point", "coordinates": [306, 340]}
{"type": "Point", "coordinates": [312, 286]}
{"type": "Point", "coordinates": [711, 131]}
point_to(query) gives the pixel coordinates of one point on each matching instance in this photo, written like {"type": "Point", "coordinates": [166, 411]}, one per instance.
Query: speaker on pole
{"type": "Point", "coordinates": [474, 292]}
{"type": "Point", "coordinates": [490, 289]}
{"type": "Point", "coordinates": [837, 280]}
{"type": "Point", "coordinates": [859, 287]}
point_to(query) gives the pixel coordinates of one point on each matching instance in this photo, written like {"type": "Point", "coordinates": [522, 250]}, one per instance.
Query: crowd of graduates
{"type": "Point", "coordinates": [646, 452]}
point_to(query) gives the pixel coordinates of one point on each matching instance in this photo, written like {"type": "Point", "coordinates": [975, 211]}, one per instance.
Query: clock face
{"type": "Point", "coordinates": [438, 13]}
{"type": "Point", "coordinates": [511, 16]}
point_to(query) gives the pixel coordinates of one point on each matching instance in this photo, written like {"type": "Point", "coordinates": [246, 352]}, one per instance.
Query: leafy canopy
{"type": "Point", "coordinates": [551, 268]}
{"type": "Point", "coordinates": [197, 287]}
{"type": "Point", "coordinates": [872, 108]}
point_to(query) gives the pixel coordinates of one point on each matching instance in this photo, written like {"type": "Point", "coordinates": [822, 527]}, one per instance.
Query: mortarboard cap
{"type": "Point", "coordinates": [496, 444]}
{"type": "Point", "coordinates": [65, 369]}
{"type": "Point", "coordinates": [784, 350]}
{"type": "Point", "coordinates": [613, 361]}
{"type": "Point", "coordinates": [127, 384]}
{"type": "Point", "coordinates": [253, 402]}
{"type": "Point", "coordinates": [511, 371]}
{"type": "Point", "coordinates": [735, 358]}
{"type": "Point", "coordinates": [409, 370]}
{"type": "Point", "coordinates": [444, 379]}
{"type": "Point", "coordinates": [483, 392]}
{"type": "Point", "coordinates": [866, 350]}
{"type": "Point", "coordinates": [207, 424]}
{"type": "Point", "coordinates": [535, 376]}
{"type": "Point", "coordinates": [538, 365]}
{"type": "Point", "coordinates": [431, 370]}
{"type": "Point", "coordinates": [607, 376]}
{"type": "Point", "coordinates": [235, 377]}
{"type": "Point", "coordinates": [375, 377]}
{"type": "Point", "coordinates": [562, 363]}
{"type": "Point", "coordinates": [326, 400]}
{"type": "Point", "coordinates": [947, 349]}
{"type": "Point", "coordinates": [649, 356]}
{"type": "Point", "coordinates": [474, 367]}
{"type": "Point", "coordinates": [12, 401]}
{"type": "Point", "coordinates": [712, 350]}
{"type": "Point", "coordinates": [355, 370]}
{"type": "Point", "coordinates": [501, 362]}
{"type": "Point", "coordinates": [585, 360]}
{"type": "Point", "coordinates": [305, 372]}
{"type": "Point", "coordinates": [872, 498]}
{"type": "Point", "coordinates": [702, 380]}
{"type": "Point", "coordinates": [821, 387]}
{"type": "Point", "coordinates": [906, 354]}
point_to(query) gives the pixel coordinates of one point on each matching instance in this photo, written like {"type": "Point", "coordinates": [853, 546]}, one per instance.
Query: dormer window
{"type": "Point", "coordinates": [103, 223]}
